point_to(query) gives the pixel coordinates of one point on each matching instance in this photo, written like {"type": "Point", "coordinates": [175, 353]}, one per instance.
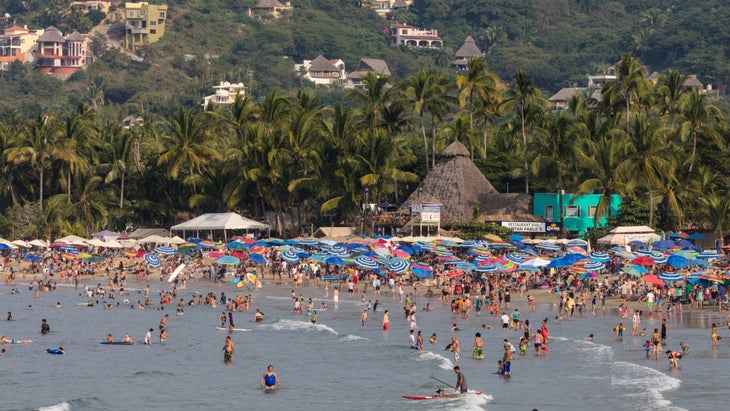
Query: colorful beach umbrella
{"type": "Point", "coordinates": [164, 250]}
{"type": "Point", "coordinates": [635, 270]}
{"type": "Point", "coordinates": [366, 262]}
{"type": "Point", "coordinates": [601, 257]}
{"type": "Point", "coordinates": [397, 265]}
{"type": "Point", "coordinates": [670, 276]}
{"type": "Point", "coordinates": [290, 257]}
{"type": "Point", "coordinates": [153, 260]}
{"type": "Point", "coordinates": [228, 260]}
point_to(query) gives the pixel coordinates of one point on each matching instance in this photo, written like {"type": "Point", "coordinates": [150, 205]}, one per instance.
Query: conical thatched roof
{"type": "Point", "coordinates": [459, 185]}
{"type": "Point", "coordinates": [469, 49]}
{"type": "Point", "coordinates": [51, 35]}
{"type": "Point", "coordinates": [322, 64]}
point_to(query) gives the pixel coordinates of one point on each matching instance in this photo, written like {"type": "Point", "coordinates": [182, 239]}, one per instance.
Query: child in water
{"type": "Point", "coordinates": [432, 340]}
{"type": "Point", "coordinates": [523, 346]}
{"type": "Point", "coordinates": [619, 330]}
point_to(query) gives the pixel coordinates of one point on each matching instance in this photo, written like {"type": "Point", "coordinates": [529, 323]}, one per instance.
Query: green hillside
{"type": "Point", "coordinates": [557, 42]}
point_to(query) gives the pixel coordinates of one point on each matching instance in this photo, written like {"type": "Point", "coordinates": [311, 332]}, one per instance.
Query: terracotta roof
{"type": "Point", "coordinates": [566, 93]}
{"type": "Point", "coordinates": [53, 35]}
{"type": "Point", "coordinates": [322, 64]}
{"type": "Point", "coordinates": [469, 49]}
{"type": "Point", "coordinates": [15, 29]}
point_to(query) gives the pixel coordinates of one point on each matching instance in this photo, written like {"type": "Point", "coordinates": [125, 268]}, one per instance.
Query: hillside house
{"type": "Point", "coordinates": [384, 7]}
{"type": "Point", "coordinates": [225, 93]}
{"type": "Point", "coordinates": [322, 71]}
{"type": "Point", "coordinates": [144, 24]}
{"type": "Point", "coordinates": [271, 7]}
{"type": "Point", "coordinates": [87, 6]}
{"type": "Point", "coordinates": [61, 55]}
{"type": "Point", "coordinates": [409, 36]}
{"type": "Point", "coordinates": [132, 121]}
{"type": "Point", "coordinates": [466, 52]}
{"type": "Point", "coordinates": [365, 66]}
{"type": "Point", "coordinates": [18, 44]}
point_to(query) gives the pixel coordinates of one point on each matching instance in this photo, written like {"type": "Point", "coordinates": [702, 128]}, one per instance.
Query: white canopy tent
{"type": "Point", "coordinates": [621, 236]}
{"type": "Point", "coordinates": [218, 222]}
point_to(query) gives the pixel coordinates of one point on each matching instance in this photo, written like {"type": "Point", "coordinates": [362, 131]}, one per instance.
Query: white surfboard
{"type": "Point", "coordinates": [175, 273]}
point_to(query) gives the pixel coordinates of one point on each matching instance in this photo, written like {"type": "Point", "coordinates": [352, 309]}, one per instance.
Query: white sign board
{"type": "Point", "coordinates": [430, 213]}
{"type": "Point", "coordinates": [525, 226]}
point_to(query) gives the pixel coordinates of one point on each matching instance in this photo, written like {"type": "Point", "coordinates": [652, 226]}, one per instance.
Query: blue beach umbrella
{"type": "Point", "coordinates": [257, 258]}
{"type": "Point", "coordinates": [487, 268]}
{"type": "Point", "coordinates": [677, 261]}
{"type": "Point", "coordinates": [670, 276]}
{"type": "Point", "coordinates": [290, 257]}
{"type": "Point", "coordinates": [397, 265]}
{"type": "Point", "coordinates": [593, 266]}
{"type": "Point", "coordinates": [153, 260]}
{"type": "Point", "coordinates": [635, 270]}
{"type": "Point", "coordinates": [366, 262]}
{"type": "Point", "coordinates": [334, 260]}
{"type": "Point", "coordinates": [164, 250]}
{"type": "Point", "coordinates": [601, 257]}
{"type": "Point", "coordinates": [308, 242]}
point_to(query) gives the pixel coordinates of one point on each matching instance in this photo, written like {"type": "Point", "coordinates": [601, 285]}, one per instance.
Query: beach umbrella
{"type": "Point", "coordinates": [576, 250]}
{"type": "Point", "coordinates": [290, 257]}
{"type": "Point", "coordinates": [334, 260]}
{"type": "Point", "coordinates": [479, 251]}
{"type": "Point", "coordinates": [422, 270]}
{"type": "Point", "coordinates": [670, 276]}
{"type": "Point", "coordinates": [577, 242]}
{"type": "Point", "coordinates": [487, 268]}
{"type": "Point", "coordinates": [708, 255]}
{"type": "Point", "coordinates": [677, 261]}
{"type": "Point", "coordinates": [257, 249]}
{"type": "Point", "coordinates": [463, 265]}
{"type": "Point", "coordinates": [536, 262]}
{"type": "Point", "coordinates": [698, 262]}
{"type": "Point", "coordinates": [235, 245]}
{"type": "Point", "coordinates": [696, 236]}
{"type": "Point", "coordinates": [601, 257]}
{"type": "Point", "coordinates": [319, 257]}
{"type": "Point", "coordinates": [515, 237]}
{"type": "Point", "coordinates": [588, 275]}
{"type": "Point", "coordinates": [659, 258]}
{"type": "Point", "coordinates": [643, 260]}
{"type": "Point", "coordinates": [397, 265]}
{"type": "Point", "coordinates": [642, 251]}
{"type": "Point", "coordinates": [366, 262]}
{"type": "Point", "coordinates": [153, 260]}
{"type": "Point", "coordinates": [228, 260]}
{"type": "Point", "coordinates": [663, 245]}
{"type": "Point", "coordinates": [527, 267]}
{"type": "Point", "coordinates": [164, 250]}
{"type": "Point", "coordinates": [634, 270]}
{"type": "Point", "coordinates": [257, 258]}
{"type": "Point", "coordinates": [652, 279]}
{"type": "Point", "coordinates": [517, 258]}
{"type": "Point", "coordinates": [637, 243]}
{"type": "Point", "coordinates": [32, 257]}
{"type": "Point", "coordinates": [548, 246]}
{"type": "Point", "coordinates": [593, 266]}
{"type": "Point", "coordinates": [216, 254]}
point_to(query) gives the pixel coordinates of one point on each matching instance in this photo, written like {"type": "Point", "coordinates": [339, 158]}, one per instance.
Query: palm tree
{"type": "Point", "coordinates": [477, 81]}
{"type": "Point", "coordinates": [700, 119]}
{"type": "Point", "coordinates": [600, 159]}
{"type": "Point", "coordinates": [558, 149]}
{"type": "Point", "coordinates": [528, 100]}
{"type": "Point", "coordinates": [190, 143]}
{"type": "Point", "coordinates": [671, 90]}
{"type": "Point", "coordinates": [716, 211]}
{"type": "Point", "coordinates": [374, 97]}
{"type": "Point", "coordinates": [79, 140]}
{"type": "Point", "coordinates": [122, 144]}
{"type": "Point", "coordinates": [6, 142]}
{"type": "Point", "coordinates": [39, 144]}
{"type": "Point", "coordinates": [630, 86]}
{"type": "Point", "coordinates": [428, 92]}
{"type": "Point", "coordinates": [645, 160]}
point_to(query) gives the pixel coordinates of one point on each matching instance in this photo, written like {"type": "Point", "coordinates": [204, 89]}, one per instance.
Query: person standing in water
{"type": "Point", "coordinates": [460, 381]}
{"type": "Point", "coordinates": [386, 321]}
{"type": "Point", "coordinates": [228, 349]}
{"type": "Point", "coordinates": [270, 380]}
{"type": "Point", "coordinates": [45, 328]}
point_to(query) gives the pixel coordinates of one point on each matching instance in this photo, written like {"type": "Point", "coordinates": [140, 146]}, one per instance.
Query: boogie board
{"type": "Point", "coordinates": [84, 305]}
{"type": "Point", "coordinates": [175, 273]}
{"type": "Point", "coordinates": [235, 329]}
{"type": "Point", "coordinates": [436, 397]}
{"type": "Point", "coordinates": [235, 280]}
{"type": "Point", "coordinates": [54, 351]}
{"type": "Point", "coordinates": [117, 343]}
{"type": "Point", "coordinates": [251, 278]}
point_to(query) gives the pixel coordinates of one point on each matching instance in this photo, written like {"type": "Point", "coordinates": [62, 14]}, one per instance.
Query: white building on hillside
{"type": "Point", "coordinates": [225, 93]}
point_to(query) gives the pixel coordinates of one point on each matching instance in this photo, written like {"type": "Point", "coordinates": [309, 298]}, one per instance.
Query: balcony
{"type": "Point", "coordinates": [138, 30]}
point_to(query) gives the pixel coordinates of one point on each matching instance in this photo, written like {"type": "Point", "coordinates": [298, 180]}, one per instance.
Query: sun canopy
{"type": "Point", "coordinates": [219, 221]}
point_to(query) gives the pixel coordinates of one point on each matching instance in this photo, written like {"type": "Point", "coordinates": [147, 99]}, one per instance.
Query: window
{"type": "Point", "coordinates": [592, 211]}
{"type": "Point", "coordinates": [162, 15]}
{"type": "Point", "coordinates": [153, 23]}
{"type": "Point", "coordinates": [133, 14]}
{"type": "Point", "coordinates": [549, 212]}
{"type": "Point", "coordinates": [572, 211]}
{"type": "Point", "coordinates": [153, 31]}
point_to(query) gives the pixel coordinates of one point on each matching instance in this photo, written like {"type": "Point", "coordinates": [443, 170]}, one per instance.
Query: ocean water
{"type": "Point", "coordinates": [338, 364]}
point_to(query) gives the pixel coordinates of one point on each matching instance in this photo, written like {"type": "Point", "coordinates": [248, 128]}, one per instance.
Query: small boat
{"type": "Point", "coordinates": [437, 397]}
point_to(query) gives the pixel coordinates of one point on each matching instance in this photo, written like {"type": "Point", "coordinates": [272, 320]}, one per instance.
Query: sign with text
{"type": "Point", "coordinates": [430, 213]}
{"type": "Point", "coordinates": [525, 226]}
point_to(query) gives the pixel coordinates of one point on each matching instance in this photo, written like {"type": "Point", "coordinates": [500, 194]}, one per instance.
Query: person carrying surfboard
{"type": "Point", "coordinates": [270, 380]}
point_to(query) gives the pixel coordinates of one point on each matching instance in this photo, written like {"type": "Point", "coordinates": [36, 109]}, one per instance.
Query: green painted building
{"type": "Point", "coordinates": [578, 214]}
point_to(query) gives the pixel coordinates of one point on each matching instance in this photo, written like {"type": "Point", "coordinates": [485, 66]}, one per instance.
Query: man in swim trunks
{"type": "Point", "coordinates": [478, 348]}
{"type": "Point", "coordinates": [45, 328]}
{"type": "Point", "coordinates": [13, 341]}
{"type": "Point", "coordinates": [270, 380]}
{"type": "Point", "coordinates": [455, 348]}
{"type": "Point", "coordinates": [364, 317]}
{"type": "Point", "coordinates": [228, 349]}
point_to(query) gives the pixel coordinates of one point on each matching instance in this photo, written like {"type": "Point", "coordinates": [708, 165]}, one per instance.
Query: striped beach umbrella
{"type": "Point", "coordinates": [670, 276]}
{"type": "Point", "coordinates": [153, 260]}
{"type": "Point", "coordinates": [397, 265]}
{"type": "Point", "coordinates": [593, 266]}
{"type": "Point", "coordinates": [290, 257]}
{"type": "Point", "coordinates": [517, 258]}
{"type": "Point", "coordinates": [366, 262]}
{"type": "Point", "coordinates": [599, 256]}
{"type": "Point", "coordinates": [548, 246]}
{"type": "Point", "coordinates": [576, 250]}
{"type": "Point", "coordinates": [708, 255]}
{"type": "Point", "coordinates": [228, 260]}
{"type": "Point", "coordinates": [487, 268]}
{"type": "Point", "coordinates": [308, 242]}
{"type": "Point", "coordinates": [479, 251]}
{"type": "Point", "coordinates": [257, 249]}
{"type": "Point", "coordinates": [164, 250]}
{"type": "Point", "coordinates": [659, 258]}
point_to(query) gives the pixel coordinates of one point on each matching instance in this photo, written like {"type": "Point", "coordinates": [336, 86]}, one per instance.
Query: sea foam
{"type": "Point", "coordinates": [64, 406]}
{"type": "Point", "coordinates": [649, 382]}
{"type": "Point", "coordinates": [292, 325]}
{"type": "Point", "coordinates": [443, 362]}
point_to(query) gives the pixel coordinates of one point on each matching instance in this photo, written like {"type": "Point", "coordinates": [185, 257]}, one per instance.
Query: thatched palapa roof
{"type": "Point", "coordinates": [459, 185]}
{"type": "Point", "coordinates": [469, 49]}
